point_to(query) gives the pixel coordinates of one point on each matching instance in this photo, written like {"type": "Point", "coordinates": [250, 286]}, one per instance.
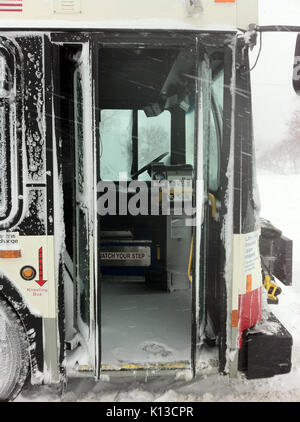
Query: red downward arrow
{"type": "Point", "coordinates": [40, 281]}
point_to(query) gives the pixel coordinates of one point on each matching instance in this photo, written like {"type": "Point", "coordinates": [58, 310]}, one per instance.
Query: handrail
{"type": "Point", "coordinates": [190, 260]}
{"type": "Point", "coordinates": [213, 205]}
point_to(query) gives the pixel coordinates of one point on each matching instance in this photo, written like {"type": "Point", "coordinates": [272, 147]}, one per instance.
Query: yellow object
{"type": "Point", "coordinates": [28, 273]}
{"type": "Point", "coordinates": [272, 289]}
{"type": "Point", "coordinates": [158, 253]}
{"type": "Point", "coordinates": [133, 366]}
{"type": "Point", "coordinates": [213, 205]}
{"type": "Point", "coordinates": [172, 192]}
{"type": "Point", "coordinates": [190, 260]}
{"type": "Point", "coordinates": [85, 368]}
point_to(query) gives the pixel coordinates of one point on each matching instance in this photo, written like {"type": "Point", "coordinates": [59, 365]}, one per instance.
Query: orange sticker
{"type": "Point", "coordinates": [235, 318]}
{"type": "Point", "coordinates": [12, 253]}
{"type": "Point", "coordinates": [249, 283]}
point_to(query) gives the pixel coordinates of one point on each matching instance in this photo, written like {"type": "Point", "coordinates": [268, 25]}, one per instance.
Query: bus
{"type": "Point", "coordinates": [130, 235]}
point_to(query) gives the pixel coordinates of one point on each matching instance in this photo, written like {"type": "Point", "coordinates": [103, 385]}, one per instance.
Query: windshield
{"type": "Point", "coordinates": [147, 110]}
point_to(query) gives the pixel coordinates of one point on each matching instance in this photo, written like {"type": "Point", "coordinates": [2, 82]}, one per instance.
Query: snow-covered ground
{"type": "Point", "coordinates": [280, 197]}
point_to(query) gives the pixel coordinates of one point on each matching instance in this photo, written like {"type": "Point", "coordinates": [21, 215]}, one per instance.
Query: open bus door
{"type": "Point", "coordinates": [84, 189]}
{"type": "Point", "coordinates": [74, 138]}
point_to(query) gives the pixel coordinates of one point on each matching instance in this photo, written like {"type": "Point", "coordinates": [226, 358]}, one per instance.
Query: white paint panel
{"type": "Point", "coordinates": [133, 14]}
{"type": "Point", "coordinates": [246, 262]}
{"type": "Point", "coordinates": [246, 13]}
{"type": "Point", "coordinates": [41, 300]}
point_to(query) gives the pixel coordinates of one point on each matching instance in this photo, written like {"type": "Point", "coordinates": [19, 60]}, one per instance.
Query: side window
{"type": "Point", "coordinates": [116, 149]}
{"type": "Point", "coordinates": [115, 143]}
{"type": "Point", "coordinates": [154, 138]}
{"type": "Point", "coordinates": [218, 92]}
{"type": "Point", "coordinates": [216, 131]}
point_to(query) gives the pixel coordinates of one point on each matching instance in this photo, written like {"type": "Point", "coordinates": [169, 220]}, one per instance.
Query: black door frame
{"type": "Point", "coordinates": [151, 39]}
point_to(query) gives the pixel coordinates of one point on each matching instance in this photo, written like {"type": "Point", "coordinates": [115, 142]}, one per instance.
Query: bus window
{"type": "Point", "coordinates": [218, 93]}
{"type": "Point", "coordinates": [116, 137]}
{"type": "Point", "coordinates": [154, 138]}
{"type": "Point", "coordinates": [214, 156]}
{"type": "Point", "coordinates": [116, 143]}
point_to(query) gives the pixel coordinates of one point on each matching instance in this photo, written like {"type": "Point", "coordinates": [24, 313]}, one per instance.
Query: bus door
{"type": "Point", "coordinates": [74, 133]}
{"type": "Point", "coordinates": [83, 195]}
{"type": "Point", "coordinates": [212, 92]}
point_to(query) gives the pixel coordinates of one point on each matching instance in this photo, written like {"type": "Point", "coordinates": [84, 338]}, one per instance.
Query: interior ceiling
{"type": "Point", "coordinates": [133, 78]}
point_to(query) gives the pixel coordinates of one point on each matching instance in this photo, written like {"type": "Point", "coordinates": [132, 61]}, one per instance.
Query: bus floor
{"type": "Point", "coordinates": [142, 326]}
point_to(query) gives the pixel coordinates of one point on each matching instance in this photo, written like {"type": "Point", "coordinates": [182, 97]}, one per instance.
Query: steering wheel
{"type": "Point", "coordinates": [143, 169]}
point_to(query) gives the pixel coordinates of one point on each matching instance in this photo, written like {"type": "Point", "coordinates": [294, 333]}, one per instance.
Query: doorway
{"type": "Point", "coordinates": [147, 120]}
